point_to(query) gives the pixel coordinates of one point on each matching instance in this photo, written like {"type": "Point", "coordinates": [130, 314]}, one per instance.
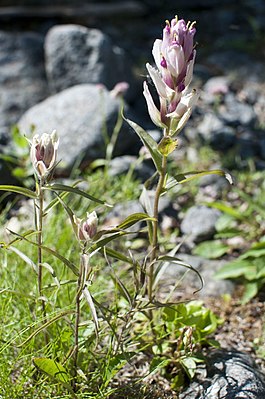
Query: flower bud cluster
{"type": "Point", "coordinates": [174, 57]}
{"type": "Point", "coordinates": [43, 154]}
{"type": "Point", "coordinates": [86, 229]}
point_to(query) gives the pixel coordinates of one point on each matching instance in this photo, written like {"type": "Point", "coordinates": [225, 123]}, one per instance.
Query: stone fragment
{"type": "Point", "coordinates": [230, 375]}
{"type": "Point", "coordinates": [77, 55]}
{"type": "Point", "coordinates": [199, 223]}
{"type": "Point", "coordinates": [80, 115]}
{"type": "Point", "coordinates": [22, 80]}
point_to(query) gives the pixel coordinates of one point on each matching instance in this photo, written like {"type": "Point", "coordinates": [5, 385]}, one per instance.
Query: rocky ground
{"type": "Point", "coordinates": [59, 65]}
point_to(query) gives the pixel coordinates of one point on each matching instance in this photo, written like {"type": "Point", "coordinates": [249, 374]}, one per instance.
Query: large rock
{"type": "Point", "coordinates": [199, 223]}
{"type": "Point", "coordinates": [76, 54]}
{"type": "Point", "coordinates": [22, 79]}
{"type": "Point", "coordinates": [80, 115]}
{"type": "Point", "coordinates": [230, 375]}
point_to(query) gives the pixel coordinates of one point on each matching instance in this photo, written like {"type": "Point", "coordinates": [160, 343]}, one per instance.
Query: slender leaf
{"type": "Point", "coordinates": [177, 261]}
{"type": "Point", "coordinates": [45, 325]}
{"type": "Point", "coordinates": [182, 178]}
{"type": "Point", "coordinates": [54, 253]}
{"type": "Point", "coordinates": [148, 142]}
{"type": "Point", "coordinates": [118, 255]}
{"type": "Point", "coordinates": [123, 290]}
{"type": "Point", "coordinates": [226, 209]}
{"type": "Point", "coordinates": [24, 257]}
{"type": "Point", "coordinates": [158, 363]}
{"type": "Point", "coordinates": [128, 222]}
{"type": "Point", "coordinates": [74, 190]}
{"type": "Point", "coordinates": [90, 302]}
{"type": "Point", "coordinates": [134, 218]}
{"type": "Point", "coordinates": [19, 190]}
{"type": "Point", "coordinates": [52, 272]}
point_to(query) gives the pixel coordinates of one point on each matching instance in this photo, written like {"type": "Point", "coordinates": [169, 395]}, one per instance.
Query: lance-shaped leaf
{"type": "Point", "coordinates": [118, 255]}
{"type": "Point", "coordinates": [24, 257]}
{"type": "Point", "coordinates": [188, 176]}
{"type": "Point", "coordinates": [148, 142]}
{"type": "Point", "coordinates": [134, 218]}
{"type": "Point", "coordinates": [52, 368]}
{"type": "Point", "coordinates": [56, 254]}
{"type": "Point", "coordinates": [179, 262]}
{"type": "Point", "coordinates": [18, 190]}
{"type": "Point", "coordinates": [125, 224]}
{"type": "Point", "coordinates": [45, 325]}
{"type": "Point", "coordinates": [74, 190]}
{"type": "Point", "coordinates": [90, 302]}
{"type": "Point", "coordinates": [56, 201]}
{"type": "Point", "coordinates": [227, 209]}
{"type": "Point", "coordinates": [104, 241]}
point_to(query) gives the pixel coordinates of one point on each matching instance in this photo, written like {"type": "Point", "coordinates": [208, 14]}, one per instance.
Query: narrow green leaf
{"type": "Point", "coordinates": [20, 237]}
{"type": "Point", "coordinates": [119, 230]}
{"type": "Point", "coordinates": [45, 325]}
{"type": "Point", "coordinates": [158, 363]}
{"type": "Point", "coordinates": [233, 269]}
{"type": "Point", "coordinates": [177, 261]}
{"type": "Point", "coordinates": [226, 209]}
{"type": "Point", "coordinates": [19, 190]}
{"type": "Point", "coordinates": [182, 178]}
{"type": "Point", "coordinates": [52, 272]}
{"type": "Point", "coordinates": [211, 249]}
{"type": "Point", "coordinates": [51, 368]}
{"type": "Point", "coordinates": [254, 204]}
{"type": "Point", "coordinates": [104, 241]}
{"type": "Point", "coordinates": [74, 190]}
{"type": "Point", "coordinates": [123, 290]}
{"type": "Point", "coordinates": [148, 142]}
{"type": "Point", "coordinates": [90, 302]}
{"type": "Point", "coordinates": [56, 254]}
{"type": "Point", "coordinates": [134, 218]}
{"type": "Point", "coordinates": [118, 255]}
{"type": "Point", "coordinates": [24, 257]}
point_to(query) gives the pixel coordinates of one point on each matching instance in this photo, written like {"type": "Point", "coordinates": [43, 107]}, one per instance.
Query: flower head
{"type": "Point", "coordinates": [43, 154]}
{"type": "Point", "coordinates": [86, 229]}
{"type": "Point", "coordinates": [174, 57]}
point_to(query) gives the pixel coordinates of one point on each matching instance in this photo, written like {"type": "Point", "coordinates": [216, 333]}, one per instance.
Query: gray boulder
{"type": "Point", "coordinates": [199, 223]}
{"type": "Point", "coordinates": [80, 114]}
{"type": "Point", "coordinates": [76, 55]}
{"type": "Point", "coordinates": [230, 375]}
{"type": "Point", "coordinates": [22, 79]}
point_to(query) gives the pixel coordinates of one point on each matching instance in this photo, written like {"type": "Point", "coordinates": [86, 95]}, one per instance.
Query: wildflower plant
{"type": "Point", "coordinates": [174, 58]}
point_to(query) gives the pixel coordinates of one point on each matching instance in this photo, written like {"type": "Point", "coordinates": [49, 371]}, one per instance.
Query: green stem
{"type": "Point", "coordinates": [159, 190]}
{"type": "Point", "coordinates": [79, 287]}
{"type": "Point", "coordinates": [40, 240]}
